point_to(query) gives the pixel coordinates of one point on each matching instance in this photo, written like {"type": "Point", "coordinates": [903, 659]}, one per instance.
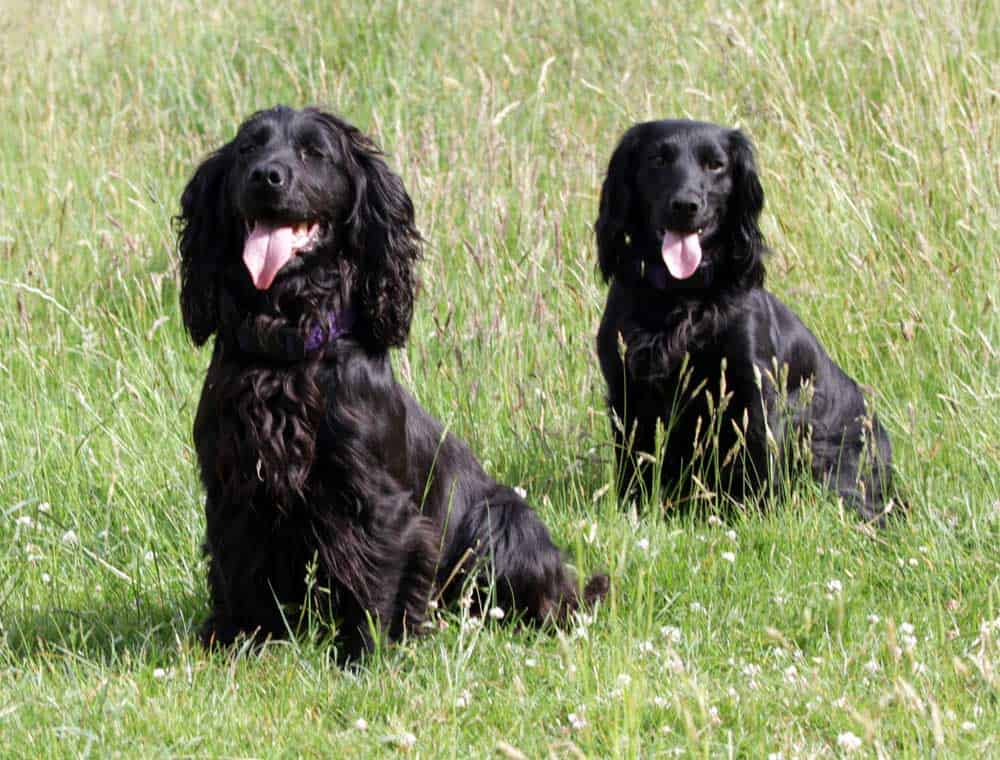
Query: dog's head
{"type": "Point", "coordinates": [684, 196]}
{"type": "Point", "coordinates": [296, 196]}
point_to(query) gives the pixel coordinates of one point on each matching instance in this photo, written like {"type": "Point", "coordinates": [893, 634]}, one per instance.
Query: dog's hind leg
{"type": "Point", "coordinates": [506, 546]}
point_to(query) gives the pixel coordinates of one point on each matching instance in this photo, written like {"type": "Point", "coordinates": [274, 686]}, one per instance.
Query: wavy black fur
{"type": "Point", "coordinates": [665, 344]}
{"type": "Point", "coordinates": [321, 458]}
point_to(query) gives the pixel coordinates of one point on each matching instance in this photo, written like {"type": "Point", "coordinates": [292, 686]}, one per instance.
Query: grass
{"type": "Point", "coordinates": [788, 632]}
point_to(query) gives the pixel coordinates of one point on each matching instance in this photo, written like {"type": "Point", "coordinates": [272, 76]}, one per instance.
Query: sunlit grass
{"type": "Point", "coordinates": [790, 632]}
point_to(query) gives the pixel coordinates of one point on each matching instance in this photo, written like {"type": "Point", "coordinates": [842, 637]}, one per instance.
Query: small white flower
{"type": "Point", "coordinates": [530, 662]}
{"type": "Point", "coordinates": [697, 607]}
{"type": "Point", "coordinates": [578, 722]}
{"type": "Point", "coordinates": [646, 647]}
{"type": "Point", "coordinates": [361, 724]}
{"type": "Point", "coordinates": [44, 507]}
{"type": "Point", "coordinates": [906, 629]}
{"type": "Point", "coordinates": [660, 702]}
{"type": "Point", "coordinates": [465, 602]}
{"type": "Point", "coordinates": [642, 545]}
{"type": "Point", "coordinates": [968, 726]}
{"type": "Point", "coordinates": [731, 534]}
{"type": "Point", "coordinates": [25, 521]}
{"type": "Point", "coordinates": [848, 742]}
{"type": "Point", "coordinates": [872, 666]}
{"type": "Point", "coordinates": [729, 557]}
{"type": "Point", "coordinates": [159, 673]}
{"type": "Point", "coordinates": [834, 586]}
{"type": "Point", "coordinates": [521, 492]}
{"type": "Point", "coordinates": [497, 613]}
{"type": "Point", "coordinates": [432, 604]}
{"type": "Point", "coordinates": [913, 561]}
{"type": "Point", "coordinates": [406, 740]}
{"type": "Point", "coordinates": [69, 537]}
{"type": "Point", "coordinates": [791, 674]}
{"type": "Point", "coordinates": [623, 680]}
{"type": "Point", "coordinates": [713, 715]}
{"type": "Point", "coordinates": [46, 578]}
{"type": "Point", "coordinates": [148, 556]}
{"type": "Point", "coordinates": [873, 618]}
{"type": "Point", "coordinates": [463, 699]}
{"type": "Point", "coordinates": [775, 756]}
{"type": "Point", "coordinates": [671, 633]}
{"type": "Point", "coordinates": [714, 520]}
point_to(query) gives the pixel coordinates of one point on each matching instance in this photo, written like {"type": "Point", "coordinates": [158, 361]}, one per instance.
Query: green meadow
{"type": "Point", "coordinates": [791, 633]}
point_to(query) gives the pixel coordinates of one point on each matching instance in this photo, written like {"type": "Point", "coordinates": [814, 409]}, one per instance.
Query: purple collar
{"type": "Point", "coordinates": [272, 338]}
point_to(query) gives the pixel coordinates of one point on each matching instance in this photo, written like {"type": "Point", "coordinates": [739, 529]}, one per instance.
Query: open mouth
{"type": "Point", "coordinates": [681, 252]}
{"type": "Point", "coordinates": [269, 246]}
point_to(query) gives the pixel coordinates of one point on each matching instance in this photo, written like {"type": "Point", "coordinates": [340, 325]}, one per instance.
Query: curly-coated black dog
{"type": "Point", "coordinates": [690, 341]}
{"type": "Point", "coordinates": [298, 248]}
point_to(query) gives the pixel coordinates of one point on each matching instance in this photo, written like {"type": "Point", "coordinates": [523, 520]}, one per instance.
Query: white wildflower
{"type": "Point", "coordinates": [731, 535]}
{"type": "Point", "coordinates": [642, 545]}
{"type": "Point", "coordinates": [69, 537]}
{"type": "Point", "coordinates": [46, 578]}
{"type": "Point", "coordinates": [148, 556]}
{"type": "Point", "coordinates": [968, 726]}
{"type": "Point", "coordinates": [463, 699]}
{"type": "Point", "coordinates": [44, 507]}
{"type": "Point", "coordinates": [671, 633]}
{"type": "Point", "coordinates": [848, 742]}
{"type": "Point", "coordinates": [25, 521]}
{"type": "Point", "coordinates": [578, 722]}
{"type": "Point", "coordinates": [361, 724]}
{"type": "Point", "coordinates": [872, 666]}
{"type": "Point", "coordinates": [729, 557]}
{"type": "Point", "coordinates": [873, 618]}
{"type": "Point", "coordinates": [834, 586]}
{"type": "Point", "coordinates": [406, 740]}
{"type": "Point", "coordinates": [159, 673]}
{"type": "Point", "coordinates": [646, 647]}
{"type": "Point", "coordinates": [497, 613]}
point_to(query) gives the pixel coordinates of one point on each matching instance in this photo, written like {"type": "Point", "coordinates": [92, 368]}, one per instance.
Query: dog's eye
{"type": "Point", "coordinates": [714, 165]}
{"type": "Point", "coordinates": [310, 151]}
{"type": "Point", "coordinates": [247, 148]}
{"type": "Point", "coordinates": [659, 160]}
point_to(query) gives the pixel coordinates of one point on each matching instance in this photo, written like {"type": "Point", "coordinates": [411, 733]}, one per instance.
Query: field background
{"type": "Point", "coordinates": [793, 633]}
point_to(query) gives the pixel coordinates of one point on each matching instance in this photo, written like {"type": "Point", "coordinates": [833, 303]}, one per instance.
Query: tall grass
{"type": "Point", "coordinates": [791, 631]}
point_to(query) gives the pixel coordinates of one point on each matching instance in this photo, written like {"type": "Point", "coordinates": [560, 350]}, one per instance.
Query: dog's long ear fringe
{"type": "Point", "coordinates": [611, 226]}
{"type": "Point", "coordinates": [745, 206]}
{"type": "Point", "coordinates": [203, 230]}
{"type": "Point", "coordinates": [384, 238]}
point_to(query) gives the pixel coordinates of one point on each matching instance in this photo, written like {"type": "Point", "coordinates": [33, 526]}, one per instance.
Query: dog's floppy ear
{"type": "Point", "coordinates": [612, 222]}
{"type": "Point", "coordinates": [745, 205]}
{"type": "Point", "coordinates": [384, 238]}
{"type": "Point", "coordinates": [202, 240]}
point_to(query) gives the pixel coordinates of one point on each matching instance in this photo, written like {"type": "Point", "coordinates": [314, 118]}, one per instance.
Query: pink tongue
{"type": "Point", "coordinates": [682, 255]}
{"type": "Point", "coordinates": [266, 251]}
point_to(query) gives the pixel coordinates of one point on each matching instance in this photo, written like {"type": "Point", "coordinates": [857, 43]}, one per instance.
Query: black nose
{"type": "Point", "coordinates": [685, 205]}
{"type": "Point", "coordinates": [271, 174]}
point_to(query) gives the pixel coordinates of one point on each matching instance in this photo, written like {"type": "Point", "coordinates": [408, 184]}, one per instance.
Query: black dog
{"type": "Point", "coordinates": [692, 342]}
{"type": "Point", "coordinates": [297, 249]}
